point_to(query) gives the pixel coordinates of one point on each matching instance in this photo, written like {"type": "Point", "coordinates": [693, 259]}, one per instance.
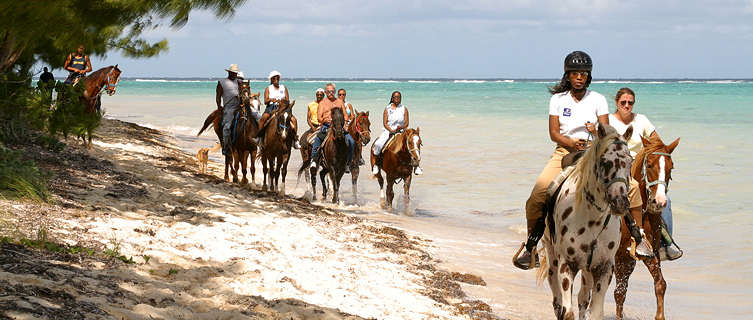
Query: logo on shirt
{"type": "Point", "coordinates": [566, 112]}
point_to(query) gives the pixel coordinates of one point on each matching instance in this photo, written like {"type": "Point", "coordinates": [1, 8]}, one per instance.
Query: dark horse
{"type": "Point", "coordinates": [360, 130]}
{"type": "Point", "coordinates": [333, 157]}
{"type": "Point", "coordinates": [105, 79]}
{"type": "Point", "coordinates": [243, 143]}
{"type": "Point", "coordinates": [652, 168]}
{"type": "Point", "coordinates": [279, 137]}
{"type": "Point", "coordinates": [399, 158]}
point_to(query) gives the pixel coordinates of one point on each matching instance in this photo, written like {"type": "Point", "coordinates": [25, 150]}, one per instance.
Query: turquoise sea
{"type": "Point", "coordinates": [485, 141]}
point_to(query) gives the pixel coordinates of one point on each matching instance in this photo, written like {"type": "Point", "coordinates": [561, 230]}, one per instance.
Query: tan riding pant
{"type": "Point", "coordinates": [535, 203]}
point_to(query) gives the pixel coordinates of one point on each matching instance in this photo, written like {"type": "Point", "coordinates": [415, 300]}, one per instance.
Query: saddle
{"type": "Point", "coordinates": [391, 141]}
{"type": "Point", "coordinates": [553, 191]}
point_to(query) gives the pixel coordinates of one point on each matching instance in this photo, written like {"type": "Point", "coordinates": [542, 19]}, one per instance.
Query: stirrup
{"type": "Point", "coordinates": [533, 264]}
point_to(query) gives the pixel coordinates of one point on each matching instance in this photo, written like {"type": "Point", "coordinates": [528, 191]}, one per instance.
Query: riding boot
{"type": "Point", "coordinates": [642, 248]}
{"type": "Point", "coordinates": [669, 249]}
{"type": "Point", "coordinates": [525, 260]}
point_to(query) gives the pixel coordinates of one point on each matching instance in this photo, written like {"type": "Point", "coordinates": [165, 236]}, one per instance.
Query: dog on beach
{"type": "Point", "coordinates": [203, 157]}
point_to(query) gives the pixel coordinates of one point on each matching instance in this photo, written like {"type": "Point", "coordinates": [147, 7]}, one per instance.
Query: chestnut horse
{"type": "Point", "coordinates": [244, 143]}
{"type": "Point", "coordinates": [652, 169]}
{"type": "Point", "coordinates": [332, 160]}
{"type": "Point", "coordinates": [399, 159]}
{"type": "Point", "coordinates": [360, 130]}
{"type": "Point", "coordinates": [105, 79]}
{"type": "Point", "coordinates": [279, 138]}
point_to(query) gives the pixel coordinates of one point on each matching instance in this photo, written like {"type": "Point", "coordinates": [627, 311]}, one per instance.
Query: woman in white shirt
{"type": "Point", "coordinates": [621, 119]}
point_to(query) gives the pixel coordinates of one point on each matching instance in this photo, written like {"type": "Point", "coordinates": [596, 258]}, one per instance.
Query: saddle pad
{"type": "Point", "coordinates": [311, 137]}
{"type": "Point", "coordinates": [390, 141]}
{"type": "Point", "coordinates": [558, 181]}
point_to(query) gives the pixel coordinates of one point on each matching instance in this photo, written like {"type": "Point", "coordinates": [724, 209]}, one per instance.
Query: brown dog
{"type": "Point", "coordinates": [203, 157]}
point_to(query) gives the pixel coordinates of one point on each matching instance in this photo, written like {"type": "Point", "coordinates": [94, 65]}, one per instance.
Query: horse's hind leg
{"type": "Point", "coordinates": [283, 173]}
{"type": "Point", "coordinates": [557, 270]}
{"type": "Point", "coordinates": [312, 175]}
{"type": "Point", "coordinates": [354, 182]}
{"type": "Point", "coordinates": [264, 170]}
{"type": "Point", "coordinates": [390, 193]}
{"type": "Point", "coordinates": [227, 171]}
{"type": "Point", "coordinates": [244, 163]}
{"type": "Point", "coordinates": [380, 180]}
{"type": "Point", "coordinates": [252, 167]}
{"type": "Point", "coordinates": [323, 178]}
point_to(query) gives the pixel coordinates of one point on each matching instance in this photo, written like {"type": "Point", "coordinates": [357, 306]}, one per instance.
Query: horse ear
{"type": "Point", "coordinates": [367, 113]}
{"type": "Point", "coordinates": [628, 133]}
{"type": "Point", "coordinates": [116, 66]}
{"type": "Point", "coordinates": [601, 131]}
{"type": "Point", "coordinates": [292, 104]}
{"type": "Point", "coordinates": [671, 147]}
{"type": "Point", "coordinates": [645, 142]}
{"type": "Point", "coordinates": [418, 130]}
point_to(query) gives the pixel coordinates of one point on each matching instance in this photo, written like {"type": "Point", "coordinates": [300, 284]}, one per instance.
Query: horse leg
{"type": "Point", "coordinates": [265, 170]}
{"type": "Point", "coordinates": [227, 177]}
{"type": "Point", "coordinates": [284, 172]}
{"type": "Point", "coordinates": [244, 163]}
{"type": "Point", "coordinates": [390, 192]}
{"type": "Point", "coordinates": [252, 168]}
{"type": "Point", "coordinates": [380, 180]}
{"type": "Point", "coordinates": [354, 181]}
{"type": "Point", "coordinates": [624, 266]}
{"type": "Point", "coordinates": [406, 189]}
{"type": "Point", "coordinates": [602, 276]}
{"type": "Point", "coordinates": [584, 295]}
{"type": "Point", "coordinates": [323, 178]}
{"type": "Point", "coordinates": [653, 234]}
{"type": "Point", "coordinates": [311, 173]}
{"type": "Point", "coordinates": [335, 185]}
{"type": "Point", "coordinates": [234, 157]}
{"type": "Point", "coordinates": [559, 282]}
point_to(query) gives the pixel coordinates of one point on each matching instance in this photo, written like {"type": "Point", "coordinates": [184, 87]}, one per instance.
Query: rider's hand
{"type": "Point", "coordinates": [578, 144]}
{"type": "Point", "coordinates": [591, 127]}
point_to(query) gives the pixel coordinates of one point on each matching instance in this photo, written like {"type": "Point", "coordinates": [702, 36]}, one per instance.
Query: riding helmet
{"type": "Point", "coordinates": [578, 61]}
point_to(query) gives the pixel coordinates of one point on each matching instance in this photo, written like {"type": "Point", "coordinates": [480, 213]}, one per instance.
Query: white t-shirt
{"type": "Point", "coordinates": [573, 115]}
{"type": "Point", "coordinates": [641, 127]}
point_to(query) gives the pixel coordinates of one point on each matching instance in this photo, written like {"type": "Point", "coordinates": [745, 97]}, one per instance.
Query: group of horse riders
{"type": "Point", "coordinates": [395, 116]}
{"type": "Point", "coordinates": [574, 113]}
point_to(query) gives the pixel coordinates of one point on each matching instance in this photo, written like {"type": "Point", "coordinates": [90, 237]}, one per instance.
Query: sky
{"type": "Point", "coordinates": [458, 39]}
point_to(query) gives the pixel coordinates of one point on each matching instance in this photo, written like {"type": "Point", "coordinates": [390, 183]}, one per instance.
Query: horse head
{"type": "Point", "coordinates": [363, 126]}
{"type": "Point", "coordinates": [656, 171]}
{"type": "Point", "coordinates": [338, 123]}
{"type": "Point", "coordinates": [284, 119]}
{"type": "Point", "coordinates": [111, 82]}
{"type": "Point", "coordinates": [605, 171]}
{"type": "Point", "coordinates": [413, 143]}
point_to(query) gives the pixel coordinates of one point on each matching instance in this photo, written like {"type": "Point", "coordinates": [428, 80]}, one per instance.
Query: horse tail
{"type": "Point", "coordinates": [209, 121]}
{"type": "Point", "coordinates": [542, 273]}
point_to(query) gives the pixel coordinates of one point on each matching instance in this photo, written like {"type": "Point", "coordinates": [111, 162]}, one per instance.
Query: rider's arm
{"type": "Point", "coordinates": [557, 137]}
{"type": "Point", "coordinates": [266, 96]}
{"type": "Point", "coordinates": [67, 64]}
{"type": "Point", "coordinates": [384, 121]}
{"type": "Point", "coordinates": [308, 119]}
{"type": "Point", "coordinates": [219, 95]}
{"type": "Point", "coordinates": [88, 65]}
{"type": "Point", "coordinates": [407, 119]}
{"type": "Point", "coordinates": [287, 97]}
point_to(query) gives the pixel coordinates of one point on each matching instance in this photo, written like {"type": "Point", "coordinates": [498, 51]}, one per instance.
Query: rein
{"type": "Point", "coordinates": [108, 85]}
{"type": "Point", "coordinates": [358, 125]}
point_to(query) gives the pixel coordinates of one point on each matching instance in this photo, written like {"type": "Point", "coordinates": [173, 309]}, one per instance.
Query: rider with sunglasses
{"type": "Point", "coordinates": [621, 119]}
{"type": "Point", "coordinates": [324, 115]}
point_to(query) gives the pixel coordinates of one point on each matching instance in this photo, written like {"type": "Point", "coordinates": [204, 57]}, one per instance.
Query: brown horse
{"type": "Point", "coordinates": [279, 138]}
{"type": "Point", "coordinates": [652, 168]}
{"type": "Point", "coordinates": [399, 159]}
{"type": "Point", "coordinates": [360, 130]}
{"type": "Point", "coordinates": [333, 156]}
{"type": "Point", "coordinates": [244, 144]}
{"type": "Point", "coordinates": [105, 79]}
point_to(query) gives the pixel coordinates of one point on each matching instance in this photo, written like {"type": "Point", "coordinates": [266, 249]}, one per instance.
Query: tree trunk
{"type": "Point", "coordinates": [10, 51]}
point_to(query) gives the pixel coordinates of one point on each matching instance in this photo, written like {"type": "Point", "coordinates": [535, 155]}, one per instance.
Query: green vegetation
{"type": "Point", "coordinates": [34, 33]}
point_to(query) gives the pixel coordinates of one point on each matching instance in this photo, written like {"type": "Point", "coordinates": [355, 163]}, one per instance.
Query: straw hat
{"type": "Point", "coordinates": [233, 68]}
{"type": "Point", "coordinates": [274, 73]}
{"type": "Point", "coordinates": [241, 75]}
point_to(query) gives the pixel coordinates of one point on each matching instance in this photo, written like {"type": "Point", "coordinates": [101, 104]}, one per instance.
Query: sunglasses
{"type": "Point", "coordinates": [625, 102]}
{"type": "Point", "coordinates": [330, 91]}
{"type": "Point", "coordinates": [340, 94]}
{"type": "Point", "coordinates": [580, 73]}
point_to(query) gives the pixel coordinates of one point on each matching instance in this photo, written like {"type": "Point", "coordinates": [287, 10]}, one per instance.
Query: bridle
{"type": "Point", "coordinates": [109, 85]}
{"type": "Point", "coordinates": [649, 184]}
{"type": "Point", "coordinates": [358, 125]}
{"type": "Point", "coordinates": [412, 150]}
{"type": "Point", "coordinates": [611, 182]}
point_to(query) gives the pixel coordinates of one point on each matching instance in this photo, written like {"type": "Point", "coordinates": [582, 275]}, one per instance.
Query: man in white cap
{"type": "Point", "coordinates": [227, 92]}
{"type": "Point", "coordinates": [311, 116]}
{"type": "Point", "coordinates": [273, 94]}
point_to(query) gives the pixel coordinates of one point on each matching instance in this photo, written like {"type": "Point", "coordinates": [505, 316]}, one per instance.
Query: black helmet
{"type": "Point", "coordinates": [578, 60]}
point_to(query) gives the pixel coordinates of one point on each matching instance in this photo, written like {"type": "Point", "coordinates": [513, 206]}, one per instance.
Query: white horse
{"type": "Point", "coordinates": [582, 237]}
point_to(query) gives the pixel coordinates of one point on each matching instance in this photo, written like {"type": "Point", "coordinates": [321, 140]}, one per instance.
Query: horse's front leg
{"type": "Point", "coordinates": [380, 180]}
{"type": "Point", "coordinates": [265, 171]}
{"type": "Point", "coordinates": [406, 189]}
{"type": "Point", "coordinates": [333, 175]}
{"type": "Point", "coordinates": [311, 174]}
{"type": "Point", "coordinates": [660, 286]}
{"type": "Point", "coordinates": [284, 172]}
{"type": "Point", "coordinates": [323, 179]}
{"type": "Point", "coordinates": [227, 170]}
{"type": "Point", "coordinates": [623, 268]}
{"type": "Point", "coordinates": [252, 168]}
{"type": "Point", "coordinates": [244, 164]}
{"type": "Point", "coordinates": [602, 277]}
{"type": "Point", "coordinates": [354, 181]}
{"type": "Point", "coordinates": [584, 295]}
{"type": "Point", "coordinates": [390, 192]}
{"type": "Point", "coordinates": [560, 282]}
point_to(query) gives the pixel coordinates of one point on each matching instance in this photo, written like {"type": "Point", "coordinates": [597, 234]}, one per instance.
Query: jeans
{"type": "Point", "coordinates": [666, 214]}
{"type": "Point", "coordinates": [227, 124]}
{"type": "Point", "coordinates": [323, 134]}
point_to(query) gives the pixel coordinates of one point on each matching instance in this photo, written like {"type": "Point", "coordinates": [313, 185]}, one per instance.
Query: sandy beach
{"type": "Point", "coordinates": [161, 241]}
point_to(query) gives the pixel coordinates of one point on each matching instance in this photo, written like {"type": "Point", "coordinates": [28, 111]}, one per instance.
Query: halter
{"type": "Point", "coordinates": [611, 182]}
{"type": "Point", "coordinates": [108, 84]}
{"type": "Point", "coordinates": [358, 125]}
{"type": "Point", "coordinates": [649, 184]}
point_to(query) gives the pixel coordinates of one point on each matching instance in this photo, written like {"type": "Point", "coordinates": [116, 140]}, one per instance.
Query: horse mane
{"type": "Point", "coordinates": [654, 144]}
{"type": "Point", "coordinates": [338, 118]}
{"type": "Point", "coordinates": [101, 73]}
{"type": "Point", "coordinates": [585, 169]}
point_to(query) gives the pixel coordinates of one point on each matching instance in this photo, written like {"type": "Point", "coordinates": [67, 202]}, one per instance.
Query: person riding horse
{"type": "Point", "coordinates": [621, 119]}
{"type": "Point", "coordinates": [311, 114]}
{"type": "Point", "coordinates": [395, 119]}
{"type": "Point", "coordinates": [324, 115]}
{"type": "Point", "coordinates": [78, 64]}
{"type": "Point", "coordinates": [273, 94]}
{"type": "Point", "coordinates": [227, 93]}
{"type": "Point", "coordinates": [573, 113]}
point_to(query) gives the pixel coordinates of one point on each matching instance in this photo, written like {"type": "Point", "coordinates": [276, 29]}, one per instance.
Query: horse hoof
{"type": "Point", "coordinates": [244, 181]}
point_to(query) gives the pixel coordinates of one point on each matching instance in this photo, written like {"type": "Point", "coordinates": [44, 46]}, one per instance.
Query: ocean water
{"type": "Point", "coordinates": [485, 142]}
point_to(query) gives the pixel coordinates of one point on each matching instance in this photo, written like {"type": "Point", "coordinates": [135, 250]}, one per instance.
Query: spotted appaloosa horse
{"type": "Point", "coordinates": [399, 158]}
{"type": "Point", "coordinates": [652, 169]}
{"type": "Point", "coordinates": [582, 237]}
